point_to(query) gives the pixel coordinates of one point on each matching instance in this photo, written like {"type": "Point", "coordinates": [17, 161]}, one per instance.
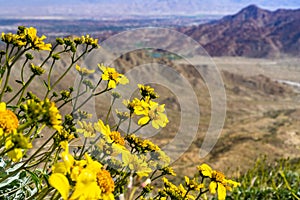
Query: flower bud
{"type": "Point", "coordinates": [29, 56]}
{"type": "Point", "coordinates": [56, 56]}
{"type": "Point", "coordinates": [60, 41]}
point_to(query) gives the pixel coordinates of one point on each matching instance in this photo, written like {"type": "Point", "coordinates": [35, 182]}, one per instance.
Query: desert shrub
{"type": "Point", "coordinates": [275, 180]}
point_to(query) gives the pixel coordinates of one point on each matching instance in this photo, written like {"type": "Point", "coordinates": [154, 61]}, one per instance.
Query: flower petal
{"type": "Point", "coordinates": [205, 170]}
{"type": "Point", "coordinates": [143, 120]}
{"type": "Point", "coordinates": [213, 187]}
{"type": "Point", "coordinates": [221, 191]}
{"type": "Point", "coordinates": [60, 183]}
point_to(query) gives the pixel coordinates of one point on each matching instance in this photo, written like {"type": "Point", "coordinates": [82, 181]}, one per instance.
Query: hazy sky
{"type": "Point", "coordinates": [94, 8]}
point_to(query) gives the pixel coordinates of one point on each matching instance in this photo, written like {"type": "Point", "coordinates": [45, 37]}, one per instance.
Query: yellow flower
{"type": "Point", "coordinates": [192, 184]}
{"type": "Point", "coordinates": [135, 106]}
{"type": "Point", "coordinates": [66, 165]}
{"type": "Point", "coordinates": [60, 183]}
{"type": "Point", "coordinates": [205, 170]}
{"type": "Point", "coordinates": [16, 154]}
{"type": "Point", "coordinates": [87, 129]}
{"type": "Point", "coordinates": [111, 136]}
{"type": "Point", "coordinates": [136, 163]}
{"type": "Point", "coordinates": [112, 76]}
{"type": "Point", "coordinates": [15, 144]}
{"type": "Point", "coordinates": [37, 70]}
{"type": "Point", "coordinates": [20, 141]}
{"type": "Point", "coordinates": [86, 186]}
{"type": "Point", "coordinates": [84, 71]}
{"type": "Point", "coordinates": [43, 112]}
{"type": "Point", "coordinates": [168, 171]}
{"type": "Point", "coordinates": [219, 184]}
{"type": "Point", "coordinates": [93, 182]}
{"type": "Point", "coordinates": [122, 115]}
{"type": "Point", "coordinates": [147, 91]}
{"type": "Point", "coordinates": [55, 117]}
{"type": "Point", "coordinates": [89, 41]}
{"type": "Point", "coordinates": [141, 145]}
{"type": "Point", "coordinates": [141, 107]}
{"type": "Point", "coordinates": [106, 184]}
{"type": "Point", "coordinates": [173, 191]}
{"type": "Point", "coordinates": [36, 42]}
{"type": "Point", "coordinates": [156, 115]}
{"type": "Point", "coordinates": [90, 179]}
{"type": "Point", "coordinates": [8, 119]}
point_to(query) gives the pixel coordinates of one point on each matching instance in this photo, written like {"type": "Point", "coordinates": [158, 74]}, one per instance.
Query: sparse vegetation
{"type": "Point", "coordinates": [266, 180]}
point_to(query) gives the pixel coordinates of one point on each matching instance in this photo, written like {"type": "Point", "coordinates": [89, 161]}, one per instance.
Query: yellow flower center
{"type": "Point", "coordinates": [105, 182]}
{"type": "Point", "coordinates": [218, 176]}
{"type": "Point", "coordinates": [117, 138]}
{"type": "Point", "coordinates": [8, 121]}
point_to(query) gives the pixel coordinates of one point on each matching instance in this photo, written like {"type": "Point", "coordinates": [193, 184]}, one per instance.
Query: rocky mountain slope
{"type": "Point", "coordinates": [252, 32]}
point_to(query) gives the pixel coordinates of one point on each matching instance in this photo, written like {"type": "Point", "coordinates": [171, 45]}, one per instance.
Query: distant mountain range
{"type": "Point", "coordinates": [123, 8]}
{"type": "Point", "coordinates": [252, 32]}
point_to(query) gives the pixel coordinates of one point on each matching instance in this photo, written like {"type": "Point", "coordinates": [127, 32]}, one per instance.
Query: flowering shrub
{"type": "Point", "coordinates": [110, 164]}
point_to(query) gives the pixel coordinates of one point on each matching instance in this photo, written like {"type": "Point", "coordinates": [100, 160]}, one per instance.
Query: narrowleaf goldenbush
{"type": "Point", "coordinates": [110, 164]}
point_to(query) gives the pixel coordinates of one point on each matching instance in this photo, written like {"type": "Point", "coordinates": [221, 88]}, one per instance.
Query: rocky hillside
{"type": "Point", "coordinates": [252, 32]}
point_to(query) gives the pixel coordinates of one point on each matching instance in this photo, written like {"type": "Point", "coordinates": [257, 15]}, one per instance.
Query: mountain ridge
{"type": "Point", "coordinates": [252, 32]}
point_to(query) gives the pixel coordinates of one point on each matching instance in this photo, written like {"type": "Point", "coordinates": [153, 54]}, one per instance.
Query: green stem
{"type": "Point", "coordinates": [142, 194]}
{"type": "Point", "coordinates": [82, 149]}
{"type": "Point", "coordinates": [67, 101]}
{"type": "Point", "coordinates": [25, 163]}
{"type": "Point", "coordinates": [49, 74]}
{"type": "Point", "coordinates": [22, 70]}
{"type": "Point", "coordinates": [92, 95]}
{"type": "Point", "coordinates": [118, 125]}
{"type": "Point", "coordinates": [109, 110]}
{"type": "Point", "coordinates": [187, 193]}
{"type": "Point", "coordinates": [129, 124]}
{"type": "Point", "coordinates": [200, 194]}
{"type": "Point", "coordinates": [11, 51]}
{"type": "Point", "coordinates": [9, 66]}
{"type": "Point", "coordinates": [288, 185]}
{"type": "Point", "coordinates": [6, 83]}
{"type": "Point", "coordinates": [73, 62]}
{"type": "Point", "coordinates": [22, 90]}
{"type": "Point", "coordinates": [77, 94]}
{"type": "Point", "coordinates": [49, 55]}
{"type": "Point", "coordinates": [139, 128]}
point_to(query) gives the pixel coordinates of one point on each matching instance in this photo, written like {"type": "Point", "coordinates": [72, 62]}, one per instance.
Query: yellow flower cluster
{"type": "Point", "coordinates": [174, 192]}
{"type": "Point", "coordinates": [43, 112]}
{"type": "Point", "coordinates": [141, 145]}
{"type": "Point", "coordinates": [151, 111]}
{"type": "Point", "coordinates": [15, 143]}
{"type": "Point", "coordinates": [86, 40]}
{"type": "Point", "coordinates": [26, 37]}
{"type": "Point", "coordinates": [37, 70]}
{"type": "Point", "coordinates": [112, 76]}
{"type": "Point", "coordinates": [112, 137]}
{"type": "Point", "coordinates": [147, 91]}
{"type": "Point", "coordinates": [137, 164]}
{"type": "Point", "coordinates": [86, 129]}
{"type": "Point", "coordinates": [192, 185]}
{"type": "Point", "coordinates": [8, 119]}
{"type": "Point", "coordinates": [110, 166]}
{"type": "Point", "coordinates": [219, 184]}
{"type": "Point", "coordinates": [81, 179]}
{"type": "Point", "coordinates": [84, 71]}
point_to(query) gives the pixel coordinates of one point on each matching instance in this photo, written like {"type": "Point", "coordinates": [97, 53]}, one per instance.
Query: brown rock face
{"type": "Point", "coordinates": [252, 32]}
